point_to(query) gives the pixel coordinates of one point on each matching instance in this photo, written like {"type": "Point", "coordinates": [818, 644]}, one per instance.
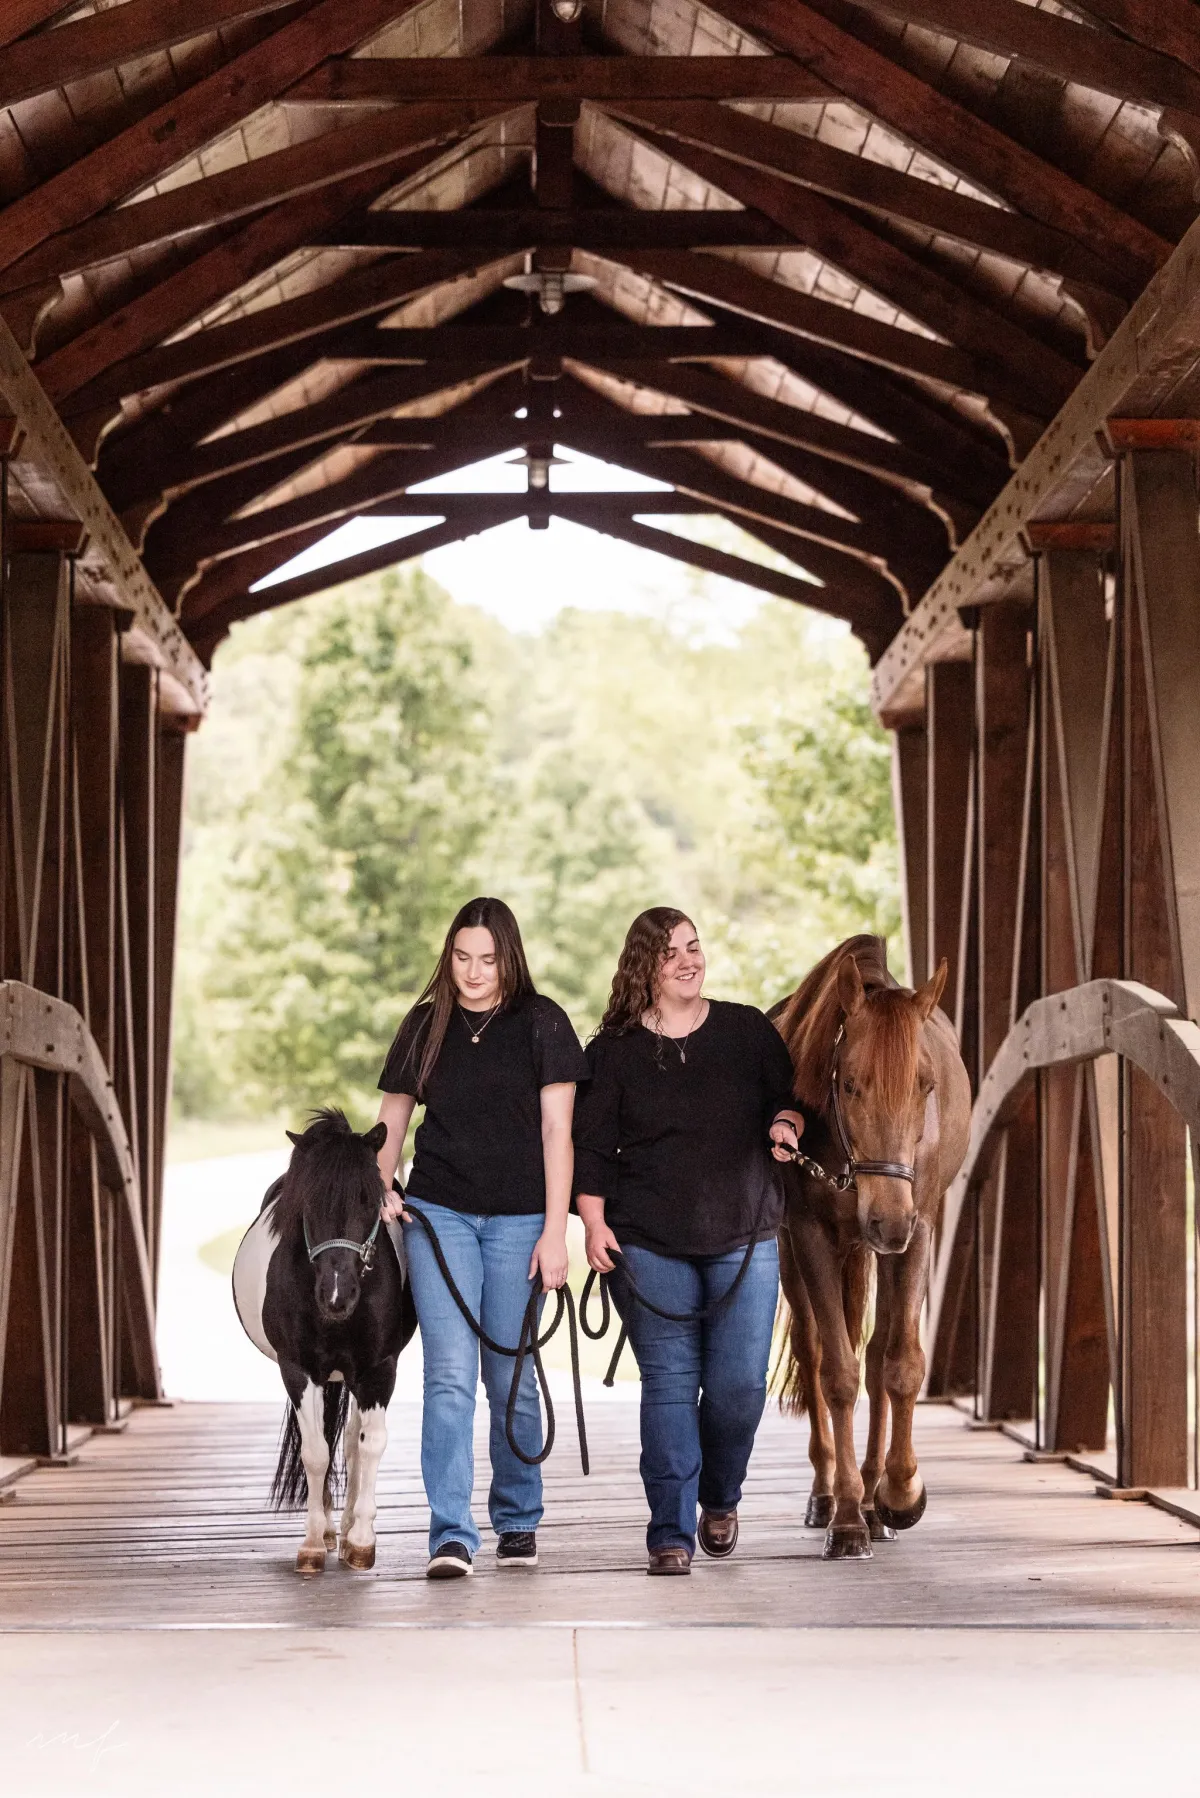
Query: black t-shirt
{"type": "Point", "coordinates": [479, 1147]}
{"type": "Point", "coordinates": [679, 1149]}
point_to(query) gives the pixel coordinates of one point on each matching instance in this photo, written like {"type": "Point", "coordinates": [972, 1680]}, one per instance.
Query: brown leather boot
{"type": "Point", "coordinates": [718, 1533]}
{"type": "Point", "coordinates": [669, 1560]}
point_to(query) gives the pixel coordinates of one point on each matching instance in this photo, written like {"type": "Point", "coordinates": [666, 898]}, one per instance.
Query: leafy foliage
{"type": "Point", "coordinates": [378, 754]}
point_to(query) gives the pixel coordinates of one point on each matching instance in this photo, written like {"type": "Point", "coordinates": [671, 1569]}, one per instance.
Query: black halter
{"type": "Point", "coordinates": [890, 1170]}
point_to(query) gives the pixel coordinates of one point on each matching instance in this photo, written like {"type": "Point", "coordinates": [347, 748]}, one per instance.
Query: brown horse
{"type": "Point", "coordinates": [901, 1106]}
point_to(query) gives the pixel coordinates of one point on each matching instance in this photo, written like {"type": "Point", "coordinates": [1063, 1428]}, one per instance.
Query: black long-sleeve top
{"type": "Point", "coordinates": [674, 1138]}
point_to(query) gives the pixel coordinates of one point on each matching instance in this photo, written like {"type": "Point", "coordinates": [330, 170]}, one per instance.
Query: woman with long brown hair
{"type": "Point", "coordinates": [674, 1184]}
{"type": "Point", "coordinates": [494, 1063]}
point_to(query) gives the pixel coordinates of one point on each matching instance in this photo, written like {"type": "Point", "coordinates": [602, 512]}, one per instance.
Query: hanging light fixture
{"type": "Point", "coordinates": [566, 11]}
{"type": "Point", "coordinates": [537, 463]}
{"type": "Point", "coordinates": [550, 285]}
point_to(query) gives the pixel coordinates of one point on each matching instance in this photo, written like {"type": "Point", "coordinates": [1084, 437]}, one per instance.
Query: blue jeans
{"type": "Point", "coordinates": [489, 1258]}
{"type": "Point", "coordinates": [704, 1385]}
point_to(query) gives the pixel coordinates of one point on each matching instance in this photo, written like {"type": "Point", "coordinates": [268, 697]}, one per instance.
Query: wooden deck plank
{"type": "Point", "coordinates": [163, 1527]}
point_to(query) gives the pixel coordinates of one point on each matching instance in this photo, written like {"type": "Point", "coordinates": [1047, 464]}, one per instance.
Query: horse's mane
{"type": "Point", "coordinates": [330, 1157]}
{"type": "Point", "coordinates": [891, 1033]}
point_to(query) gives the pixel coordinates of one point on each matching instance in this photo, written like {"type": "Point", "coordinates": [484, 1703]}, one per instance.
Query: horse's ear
{"type": "Point", "coordinates": [376, 1137]}
{"type": "Point", "coordinates": [293, 1138]}
{"type": "Point", "coordinates": [928, 995]}
{"type": "Point", "coordinates": [849, 985]}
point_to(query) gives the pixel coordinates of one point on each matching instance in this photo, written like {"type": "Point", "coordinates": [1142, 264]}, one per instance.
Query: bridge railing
{"type": "Point", "coordinates": [1099, 1031]}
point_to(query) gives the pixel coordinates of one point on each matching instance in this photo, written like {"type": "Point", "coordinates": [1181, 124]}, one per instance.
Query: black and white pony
{"type": "Point", "coordinates": [320, 1285]}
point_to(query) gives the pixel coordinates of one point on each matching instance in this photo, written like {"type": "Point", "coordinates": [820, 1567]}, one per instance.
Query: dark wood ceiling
{"type": "Point", "coordinates": [843, 264]}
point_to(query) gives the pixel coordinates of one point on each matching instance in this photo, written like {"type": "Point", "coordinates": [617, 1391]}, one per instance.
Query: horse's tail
{"type": "Point", "coordinates": [794, 1376]}
{"type": "Point", "coordinates": [289, 1488]}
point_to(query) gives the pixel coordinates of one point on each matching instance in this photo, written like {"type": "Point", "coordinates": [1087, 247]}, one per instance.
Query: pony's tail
{"type": "Point", "coordinates": [289, 1488]}
{"type": "Point", "coordinates": [794, 1376]}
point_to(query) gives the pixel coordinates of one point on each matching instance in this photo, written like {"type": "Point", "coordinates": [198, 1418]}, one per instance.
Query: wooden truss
{"type": "Point", "coordinates": [850, 265]}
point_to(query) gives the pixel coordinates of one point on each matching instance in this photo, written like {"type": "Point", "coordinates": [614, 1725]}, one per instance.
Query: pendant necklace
{"type": "Point", "coordinates": [477, 1033]}
{"type": "Point", "coordinates": [682, 1047]}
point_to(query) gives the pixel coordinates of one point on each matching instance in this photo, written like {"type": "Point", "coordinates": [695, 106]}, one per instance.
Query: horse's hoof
{"type": "Point", "coordinates": [310, 1560]}
{"type": "Point", "coordinates": [901, 1520]}
{"type": "Point", "coordinates": [359, 1560]}
{"type": "Point", "coordinates": [819, 1515]}
{"type": "Point", "coordinates": [847, 1542]}
{"type": "Point", "coordinates": [331, 1539]}
{"type": "Point", "coordinates": [878, 1530]}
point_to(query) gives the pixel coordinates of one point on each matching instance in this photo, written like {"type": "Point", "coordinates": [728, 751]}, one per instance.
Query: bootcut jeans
{"type": "Point", "coordinates": [489, 1258]}
{"type": "Point", "coordinates": [704, 1385]}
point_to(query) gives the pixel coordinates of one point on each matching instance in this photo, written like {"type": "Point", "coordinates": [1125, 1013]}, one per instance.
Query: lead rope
{"type": "Point", "coordinates": [671, 1317]}
{"type": "Point", "coordinates": [528, 1343]}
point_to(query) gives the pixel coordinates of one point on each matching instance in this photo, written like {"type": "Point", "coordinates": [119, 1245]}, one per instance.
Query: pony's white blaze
{"type": "Point", "coordinates": [369, 1446]}
{"type": "Point", "coordinates": [314, 1452]}
{"type": "Point", "coordinates": [250, 1277]}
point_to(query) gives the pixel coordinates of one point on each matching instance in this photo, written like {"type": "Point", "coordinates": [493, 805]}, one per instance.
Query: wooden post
{"type": "Point", "coordinates": [139, 804]}
{"type": "Point", "coordinates": [1075, 661]}
{"type": "Point", "coordinates": [172, 746]}
{"type": "Point", "coordinates": [949, 729]}
{"type": "Point", "coordinates": [1152, 1410]}
{"type": "Point", "coordinates": [1008, 1238]}
{"type": "Point", "coordinates": [910, 797]}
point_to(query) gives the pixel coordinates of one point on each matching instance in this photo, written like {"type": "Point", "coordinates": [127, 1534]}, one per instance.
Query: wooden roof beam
{"type": "Point", "coordinates": [882, 189]}
{"type": "Point", "coordinates": [88, 46]}
{"type": "Point", "coordinates": [1096, 59]}
{"type": "Point", "coordinates": [208, 623]}
{"type": "Point", "coordinates": [19, 16]}
{"type": "Point", "coordinates": [184, 124]}
{"type": "Point", "coordinates": [772, 303]}
{"type": "Point", "coordinates": [582, 227]}
{"type": "Point", "coordinates": [823, 597]}
{"type": "Point", "coordinates": [379, 288]}
{"type": "Point", "coordinates": [266, 181]}
{"type": "Point", "coordinates": [401, 80]}
{"type": "Point", "coordinates": [359, 403]}
{"type": "Point", "coordinates": [950, 460]}
{"type": "Point", "coordinates": [1168, 25]}
{"type": "Point", "coordinates": [1020, 368]}
{"type": "Point", "coordinates": [815, 31]}
{"type": "Point", "coordinates": [816, 534]}
{"type": "Point", "coordinates": [210, 276]}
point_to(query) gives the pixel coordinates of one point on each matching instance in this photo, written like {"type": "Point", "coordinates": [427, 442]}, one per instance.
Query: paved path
{"type": "Point", "coordinates": [1026, 1637]}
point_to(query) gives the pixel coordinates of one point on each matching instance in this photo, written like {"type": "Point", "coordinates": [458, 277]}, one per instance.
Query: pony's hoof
{"type": "Point", "coordinates": [359, 1560]}
{"type": "Point", "coordinates": [901, 1520]}
{"type": "Point", "coordinates": [331, 1539]}
{"type": "Point", "coordinates": [310, 1560]}
{"type": "Point", "coordinates": [819, 1515]}
{"type": "Point", "coordinates": [877, 1529]}
{"type": "Point", "coordinates": [847, 1542]}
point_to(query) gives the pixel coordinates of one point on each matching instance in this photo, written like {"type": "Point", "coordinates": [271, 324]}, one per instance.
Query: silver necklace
{"type": "Point", "coordinates": [681, 1046]}
{"type": "Point", "coordinates": [476, 1034]}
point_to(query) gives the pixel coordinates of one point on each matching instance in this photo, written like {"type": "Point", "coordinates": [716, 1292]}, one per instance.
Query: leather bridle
{"type": "Point", "coordinates": [889, 1170]}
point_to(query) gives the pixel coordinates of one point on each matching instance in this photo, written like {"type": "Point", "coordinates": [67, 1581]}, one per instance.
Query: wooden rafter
{"type": "Point", "coordinates": [387, 81]}
{"type": "Point", "coordinates": [193, 118]}
{"type": "Point", "coordinates": [880, 188]}
{"type": "Point", "coordinates": [87, 46]}
{"type": "Point", "coordinates": [815, 34]}
{"type": "Point", "coordinates": [1095, 59]}
{"type": "Point", "coordinates": [269, 180]}
{"type": "Point", "coordinates": [1023, 369]}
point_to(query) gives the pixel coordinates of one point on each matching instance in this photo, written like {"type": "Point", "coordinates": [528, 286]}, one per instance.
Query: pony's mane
{"type": "Point", "coordinates": [891, 1032]}
{"type": "Point", "coordinates": [330, 1156]}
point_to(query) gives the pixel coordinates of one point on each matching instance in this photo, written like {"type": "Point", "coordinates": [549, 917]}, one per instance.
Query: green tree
{"type": "Point", "coordinates": [349, 862]}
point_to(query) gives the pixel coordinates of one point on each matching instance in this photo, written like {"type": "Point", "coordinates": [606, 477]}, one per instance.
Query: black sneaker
{"type": "Point", "coordinates": [450, 1561]}
{"type": "Point", "coordinates": [517, 1548]}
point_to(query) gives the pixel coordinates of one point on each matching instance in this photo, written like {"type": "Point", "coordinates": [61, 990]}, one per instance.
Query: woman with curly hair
{"type": "Point", "coordinates": [673, 1145]}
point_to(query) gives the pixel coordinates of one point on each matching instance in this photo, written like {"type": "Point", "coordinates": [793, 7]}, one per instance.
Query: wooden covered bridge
{"type": "Point", "coordinates": [908, 290]}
